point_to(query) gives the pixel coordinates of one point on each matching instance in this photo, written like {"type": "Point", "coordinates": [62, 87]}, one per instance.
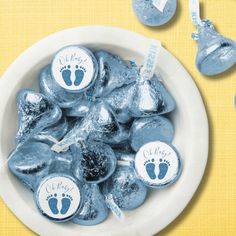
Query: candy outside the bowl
{"type": "Point", "coordinates": [216, 53]}
{"type": "Point", "coordinates": [113, 73]}
{"type": "Point", "coordinates": [158, 164]}
{"type": "Point", "coordinates": [145, 130]}
{"type": "Point", "coordinates": [35, 113]}
{"type": "Point", "coordinates": [100, 122]}
{"type": "Point", "coordinates": [94, 162]}
{"type": "Point", "coordinates": [154, 12]}
{"type": "Point", "coordinates": [94, 210]}
{"type": "Point", "coordinates": [30, 162]}
{"type": "Point", "coordinates": [127, 191]}
{"type": "Point", "coordinates": [50, 88]}
{"type": "Point", "coordinates": [58, 197]}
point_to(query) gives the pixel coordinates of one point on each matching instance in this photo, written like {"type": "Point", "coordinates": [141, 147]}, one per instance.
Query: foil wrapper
{"type": "Point", "coordinates": [93, 210]}
{"type": "Point", "coordinates": [35, 113]}
{"type": "Point", "coordinates": [151, 98]}
{"type": "Point", "coordinates": [50, 88]}
{"type": "Point", "coordinates": [80, 109]}
{"type": "Point", "coordinates": [150, 129]}
{"type": "Point", "coordinates": [127, 191]}
{"type": "Point", "coordinates": [113, 73]}
{"type": "Point", "coordinates": [120, 101]}
{"type": "Point", "coordinates": [94, 162]}
{"type": "Point", "coordinates": [30, 162]}
{"type": "Point", "coordinates": [100, 122]}
{"type": "Point", "coordinates": [216, 53]}
{"type": "Point", "coordinates": [62, 163]}
{"type": "Point", "coordinates": [54, 133]}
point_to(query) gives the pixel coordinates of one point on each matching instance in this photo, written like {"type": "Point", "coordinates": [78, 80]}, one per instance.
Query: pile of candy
{"type": "Point", "coordinates": [93, 138]}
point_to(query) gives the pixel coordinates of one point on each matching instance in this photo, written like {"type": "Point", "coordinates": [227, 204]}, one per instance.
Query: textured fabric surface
{"type": "Point", "coordinates": [213, 209]}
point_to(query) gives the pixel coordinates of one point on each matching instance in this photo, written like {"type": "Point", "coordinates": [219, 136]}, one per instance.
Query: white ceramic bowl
{"type": "Point", "coordinates": [190, 121]}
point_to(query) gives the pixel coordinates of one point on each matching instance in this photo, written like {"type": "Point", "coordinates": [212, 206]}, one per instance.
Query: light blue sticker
{"type": "Point", "coordinates": [114, 208]}
{"type": "Point", "coordinates": [150, 61]}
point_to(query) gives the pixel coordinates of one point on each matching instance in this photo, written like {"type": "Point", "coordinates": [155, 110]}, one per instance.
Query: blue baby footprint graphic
{"type": "Point", "coordinates": [150, 168]}
{"type": "Point", "coordinates": [66, 75]}
{"type": "Point", "coordinates": [65, 201]}
{"type": "Point", "coordinates": [79, 75]}
{"type": "Point", "coordinates": [163, 168]}
{"type": "Point", "coordinates": [52, 203]}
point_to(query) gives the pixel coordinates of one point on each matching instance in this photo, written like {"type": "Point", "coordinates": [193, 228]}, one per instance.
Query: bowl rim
{"type": "Point", "coordinates": [103, 35]}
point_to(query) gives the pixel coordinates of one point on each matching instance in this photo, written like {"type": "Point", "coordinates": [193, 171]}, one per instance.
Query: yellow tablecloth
{"type": "Point", "coordinates": [213, 209]}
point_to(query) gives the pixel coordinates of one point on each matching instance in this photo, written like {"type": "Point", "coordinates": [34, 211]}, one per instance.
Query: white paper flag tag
{"type": "Point", "coordinates": [194, 7]}
{"type": "Point", "coordinates": [114, 208]}
{"type": "Point", "coordinates": [159, 4]}
{"type": "Point", "coordinates": [151, 59]}
{"type": "Point", "coordinates": [123, 163]}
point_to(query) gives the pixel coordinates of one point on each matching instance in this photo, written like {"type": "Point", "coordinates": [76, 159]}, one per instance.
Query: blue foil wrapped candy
{"type": "Point", "coordinates": [94, 162]}
{"type": "Point", "coordinates": [145, 130]}
{"type": "Point", "coordinates": [151, 98]}
{"type": "Point", "coordinates": [35, 113]}
{"type": "Point", "coordinates": [127, 191]}
{"type": "Point", "coordinates": [30, 162]}
{"type": "Point", "coordinates": [100, 123]}
{"type": "Point", "coordinates": [54, 133]}
{"type": "Point", "coordinates": [216, 53]}
{"type": "Point", "coordinates": [93, 210]}
{"type": "Point", "coordinates": [154, 12]}
{"type": "Point", "coordinates": [113, 73]}
{"type": "Point", "coordinates": [80, 109]}
{"type": "Point", "coordinates": [50, 88]}
{"type": "Point", "coordinates": [62, 163]}
{"type": "Point", "coordinates": [118, 140]}
{"type": "Point", "coordinates": [120, 100]}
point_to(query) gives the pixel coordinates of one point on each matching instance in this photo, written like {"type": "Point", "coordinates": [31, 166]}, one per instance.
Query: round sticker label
{"type": "Point", "coordinates": [58, 197]}
{"type": "Point", "coordinates": [73, 68]}
{"type": "Point", "coordinates": [157, 163]}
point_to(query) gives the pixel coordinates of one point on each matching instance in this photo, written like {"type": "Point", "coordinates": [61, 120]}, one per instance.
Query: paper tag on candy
{"type": "Point", "coordinates": [150, 61]}
{"type": "Point", "coordinates": [123, 163]}
{"type": "Point", "coordinates": [114, 208]}
{"type": "Point", "coordinates": [159, 4]}
{"type": "Point", "coordinates": [194, 7]}
{"type": "Point", "coordinates": [73, 68]}
{"type": "Point", "coordinates": [58, 197]}
{"type": "Point", "coordinates": [157, 164]}
{"type": "Point", "coordinates": [63, 145]}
